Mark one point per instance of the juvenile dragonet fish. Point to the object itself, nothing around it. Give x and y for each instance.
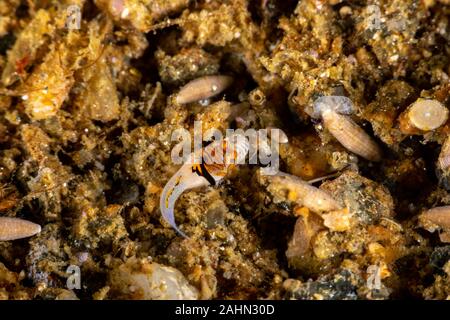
(207, 166)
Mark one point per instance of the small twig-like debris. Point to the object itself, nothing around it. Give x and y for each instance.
(165, 24)
(203, 88)
(397, 225)
(15, 228)
(146, 107)
(328, 176)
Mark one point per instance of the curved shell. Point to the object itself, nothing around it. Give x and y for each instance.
(203, 88)
(444, 155)
(15, 228)
(351, 136)
(301, 192)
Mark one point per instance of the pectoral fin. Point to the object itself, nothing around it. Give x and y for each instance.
(183, 180)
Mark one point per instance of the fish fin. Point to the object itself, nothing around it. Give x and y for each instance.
(183, 180)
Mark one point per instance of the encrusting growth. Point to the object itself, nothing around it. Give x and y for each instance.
(444, 155)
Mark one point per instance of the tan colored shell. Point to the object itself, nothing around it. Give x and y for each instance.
(424, 115)
(439, 216)
(339, 220)
(15, 228)
(203, 88)
(444, 155)
(445, 236)
(305, 228)
(351, 136)
(300, 192)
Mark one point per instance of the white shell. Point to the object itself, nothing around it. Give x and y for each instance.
(203, 88)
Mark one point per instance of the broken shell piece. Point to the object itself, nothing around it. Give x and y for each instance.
(435, 218)
(305, 229)
(203, 88)
(339, 220)
(423, 115)
(444, 155)
(286, 187)
(143, 280)
(15, 228)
